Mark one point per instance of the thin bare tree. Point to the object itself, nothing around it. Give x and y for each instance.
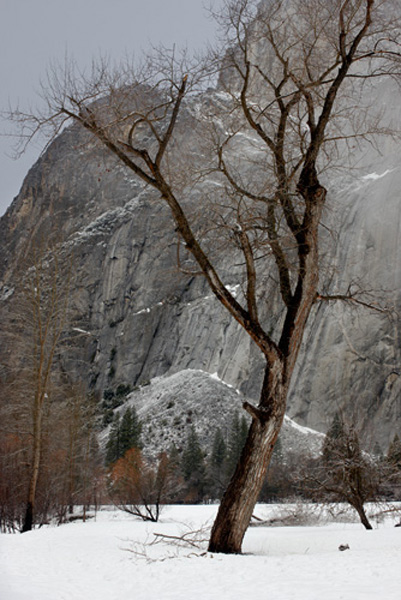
(289, 102)
(37, 321)
(141, 487)
(344, 472)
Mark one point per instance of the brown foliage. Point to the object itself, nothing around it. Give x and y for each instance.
(139, 487)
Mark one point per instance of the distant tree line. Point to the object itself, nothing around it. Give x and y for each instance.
(75, 472)
(341, 473)
(198, 474)
(50, 460)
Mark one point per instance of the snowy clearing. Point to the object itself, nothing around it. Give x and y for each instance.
(112, 557)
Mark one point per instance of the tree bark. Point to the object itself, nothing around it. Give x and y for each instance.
(243, 491)
(36, 458)
(28, 520)
(362, 515)
(239, 500)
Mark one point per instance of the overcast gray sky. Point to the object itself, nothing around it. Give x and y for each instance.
(33, 32)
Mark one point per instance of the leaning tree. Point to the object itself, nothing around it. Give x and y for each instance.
(288, 102)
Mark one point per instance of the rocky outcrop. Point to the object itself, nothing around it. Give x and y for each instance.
(168, 406)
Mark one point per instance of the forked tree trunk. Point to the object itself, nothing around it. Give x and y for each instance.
(238, 502)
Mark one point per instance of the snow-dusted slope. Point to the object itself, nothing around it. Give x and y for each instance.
(169, 405)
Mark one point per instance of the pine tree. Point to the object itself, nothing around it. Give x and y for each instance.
(377, 451)
(193, 467)
(217, 465)
(130, 430)
(174, 457)
(219, 451)
(277, 456)
(277, 481)
(192, 458)
(113, 446)
(124, 434)
(336, 429)
(334, 435)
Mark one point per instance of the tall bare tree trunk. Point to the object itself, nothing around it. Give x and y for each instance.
(238, 502)
(45, 311)
(36, 458)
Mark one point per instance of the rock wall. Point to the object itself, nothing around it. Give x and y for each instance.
(137, 317)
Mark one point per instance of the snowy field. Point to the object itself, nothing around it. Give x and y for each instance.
(115, 557)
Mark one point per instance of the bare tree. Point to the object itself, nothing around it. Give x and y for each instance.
(139, 487)
(293, 75)
(12, 477)
(75, 428)
(37, 323)
(344, 473)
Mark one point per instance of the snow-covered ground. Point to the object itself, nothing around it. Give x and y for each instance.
(114, 557)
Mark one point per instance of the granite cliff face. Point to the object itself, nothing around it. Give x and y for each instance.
(136, 317)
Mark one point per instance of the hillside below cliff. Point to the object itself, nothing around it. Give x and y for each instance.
(168, 406)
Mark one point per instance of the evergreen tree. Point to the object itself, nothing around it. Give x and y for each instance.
(392, 464)
(193, 467)
(192, 458)
(130, 430)
(174, 457)
(377, 451)
(277, 482)
(217, 465)
(113, 451)
(124, 434)
(336, 429)
(332, 442)
(219, 451)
